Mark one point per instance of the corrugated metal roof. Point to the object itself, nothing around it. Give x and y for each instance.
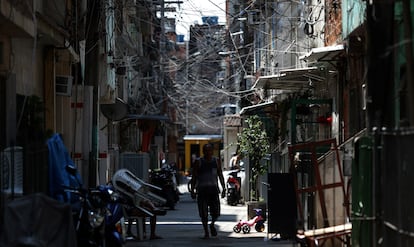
(324, 54)
(291, 79)
(247, 109)
(232, 120)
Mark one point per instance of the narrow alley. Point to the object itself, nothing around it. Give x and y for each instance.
(182, 227)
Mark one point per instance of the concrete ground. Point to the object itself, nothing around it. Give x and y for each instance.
(182, 227)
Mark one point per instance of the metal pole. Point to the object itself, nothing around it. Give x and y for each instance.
(408, 35)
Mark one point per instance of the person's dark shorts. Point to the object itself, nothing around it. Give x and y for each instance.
(208, 202)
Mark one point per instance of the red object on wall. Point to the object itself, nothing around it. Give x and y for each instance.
(76, 155)
(76, 105)
(103, 155)
(146, 137)
(325, 120)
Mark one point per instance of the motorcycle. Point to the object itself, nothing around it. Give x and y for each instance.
(166, 180)
(257, 222)
(89, 210)
(233, 189)
(114, 221)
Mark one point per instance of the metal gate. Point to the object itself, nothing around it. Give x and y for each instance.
(322, 202)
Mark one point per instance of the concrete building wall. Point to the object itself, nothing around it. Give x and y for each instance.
(230, 144)
(27, 64)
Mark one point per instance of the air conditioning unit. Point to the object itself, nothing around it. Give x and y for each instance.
(11, 163)
(64, 85)
(254, 17)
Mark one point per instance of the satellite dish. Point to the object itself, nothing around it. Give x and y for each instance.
(116, 111)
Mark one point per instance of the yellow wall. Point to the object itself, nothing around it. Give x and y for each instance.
(216, 145)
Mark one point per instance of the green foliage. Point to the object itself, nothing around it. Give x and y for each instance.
(254, 143)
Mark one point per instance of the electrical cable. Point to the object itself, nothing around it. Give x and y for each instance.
(206, 87)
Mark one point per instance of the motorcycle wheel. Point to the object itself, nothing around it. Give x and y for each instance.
(260, 227)
(170, 197)
(177, 196)
(231, 199)
(114, 241)
(189, 186)
(236, 229)
(246, 229)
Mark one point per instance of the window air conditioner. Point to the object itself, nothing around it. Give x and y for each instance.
(64, 85)
(254, 17)
(11, 164)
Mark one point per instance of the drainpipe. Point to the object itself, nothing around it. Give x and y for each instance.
(408, 34)
(92, 75)
(379, 17)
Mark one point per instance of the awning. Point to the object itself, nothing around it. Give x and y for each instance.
(291, 79)
(202, 137)
(324, 54)
(147, 117)
(253, 108)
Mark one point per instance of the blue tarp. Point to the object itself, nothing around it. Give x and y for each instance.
(58, 176)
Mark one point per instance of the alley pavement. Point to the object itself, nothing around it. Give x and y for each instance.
(182, 227)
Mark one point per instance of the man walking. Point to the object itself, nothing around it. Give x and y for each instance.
(206, 171)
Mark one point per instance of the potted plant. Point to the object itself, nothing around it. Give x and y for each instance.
(254, 144)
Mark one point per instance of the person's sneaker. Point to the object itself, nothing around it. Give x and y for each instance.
(213, 230)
